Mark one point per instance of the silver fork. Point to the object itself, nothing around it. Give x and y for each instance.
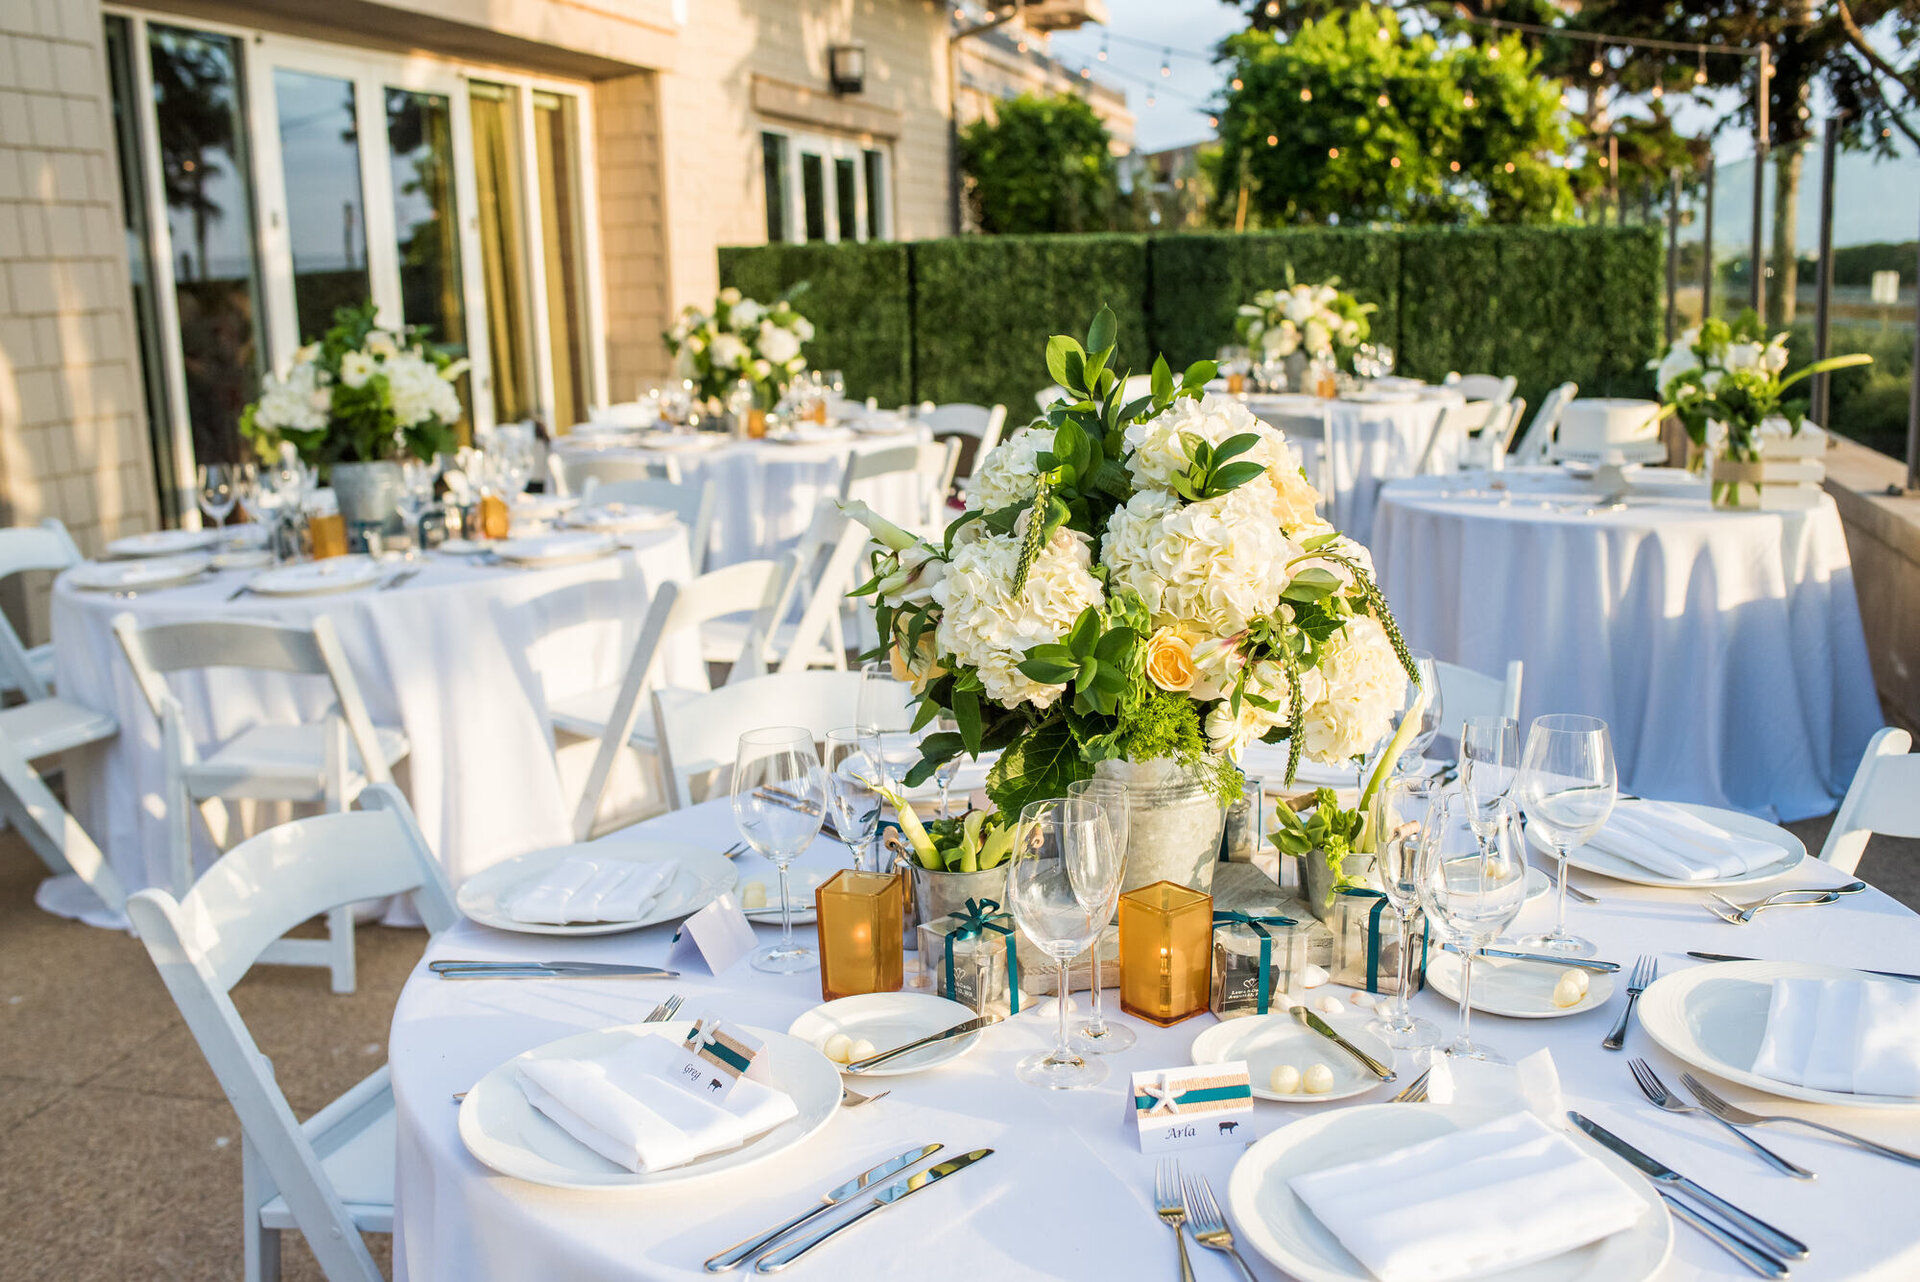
(1645, 971)
(1733, 1115)
(1209, 1227)
(850, 1098)
(1416, 1092)
(659, 1015)
(1171, 1207)
(1658, 1095)
(1743, 913)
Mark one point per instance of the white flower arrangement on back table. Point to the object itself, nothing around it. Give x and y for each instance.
(739, 338)
(1322, 321)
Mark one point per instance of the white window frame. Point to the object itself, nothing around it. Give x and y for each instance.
(831, 148)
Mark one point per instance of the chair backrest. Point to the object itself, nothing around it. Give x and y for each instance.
(934, 461)
(693, 504)
(56, 836)
(1536, 445)
(819, 637)
(698, 733)
(1883, 797)
(1457, 421)
(979, 422)
(580, 470)
(1465, 693)
(678, 608)
(204, 942)
(1048, 395)
(46, 546)
(1484, 387)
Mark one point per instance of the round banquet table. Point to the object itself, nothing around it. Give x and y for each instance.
(765, 491)
(1066, 1195)
(1723, 649)
(463, 658)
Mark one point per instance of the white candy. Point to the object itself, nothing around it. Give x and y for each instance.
(1286, 1080)
(753, 895)
(1318, 1080)
(1567, 993)
(838, 1048)
(1313, 976)
(1577, 977)
(1330, 1005)
(1362, 999)
(862, 1049)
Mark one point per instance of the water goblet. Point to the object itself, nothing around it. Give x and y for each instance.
(1405, 811)
(1472, 887)
(779, 799)
(217, 495)
(886, 704)
(949, 770)
(1566, 786)
(1431, 713)
(1094, 1034)
(852, 774)
(1489, 759)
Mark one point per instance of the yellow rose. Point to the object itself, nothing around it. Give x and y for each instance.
(1170, 660)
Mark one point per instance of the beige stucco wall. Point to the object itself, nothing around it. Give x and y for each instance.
(633, 231)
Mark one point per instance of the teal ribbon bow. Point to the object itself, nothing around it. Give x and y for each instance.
(979, 917)
(1204, 1096)
(1258, 925)
(1373, 934)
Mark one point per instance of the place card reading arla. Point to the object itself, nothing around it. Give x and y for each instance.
(1191, 1107)
(713, 1059)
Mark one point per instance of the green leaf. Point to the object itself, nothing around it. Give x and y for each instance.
(1232, 477)
(1134, 409)
(1085, 632)
(1104, 330)
(1162, 381)
(1319, 541)
(1199, 374)
(925, 714)
(1076, 364)
(1035, 767)
(1057, 348)
(1233, 447)
(1311, 584)
(966, 713)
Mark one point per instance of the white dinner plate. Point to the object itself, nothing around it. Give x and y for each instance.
(621, 518)
(501, 1129)
(1715, 1016)
(243, 559)
(703, 876)
(314, 578)
(1516, 989)
(542, 507)
(1273, 1220)
(555, 549)
(888, 1020)
(164, 542)
(1268, 1041)
(129, 576)
(1792, 852)
(1538, 883)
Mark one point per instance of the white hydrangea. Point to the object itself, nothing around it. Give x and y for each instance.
(1009, 474)
(418, 392)
(1211, 567)
(356, 368)
(728, 351)
(1158, 453)
(299, 401)
(984, 627)
(1230, 731)
(1362, 685)
(746, 314)
(777, 344)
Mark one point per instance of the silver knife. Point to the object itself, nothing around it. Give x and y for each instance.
(734, 1256)
(1731, 957)
(961, 1029)
(1578, 963)
(1725, 1238)
(779, 1259)
(1326, 1030)
(554, 970)
(1660, 1173)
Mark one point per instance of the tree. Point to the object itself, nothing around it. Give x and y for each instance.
(1351, 119)
(1043, 164)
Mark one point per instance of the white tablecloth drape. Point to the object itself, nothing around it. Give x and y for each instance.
(463, 658)
(1367, 443)
(1066, 1195)
(1724, 649)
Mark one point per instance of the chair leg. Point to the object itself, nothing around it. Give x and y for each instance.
(262, 1252)
(340, 947)
(260, 1245)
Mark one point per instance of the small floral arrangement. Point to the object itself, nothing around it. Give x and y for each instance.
(1137, 581)
(740, 338)
(361, 394)
(973, 842)
(1320, 825)
(1320, 320)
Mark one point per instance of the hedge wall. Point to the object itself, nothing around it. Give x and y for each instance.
(858, 298)
(967, 319)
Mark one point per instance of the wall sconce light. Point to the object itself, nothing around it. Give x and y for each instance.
(847, 68)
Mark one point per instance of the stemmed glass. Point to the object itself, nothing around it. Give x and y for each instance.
(1431, 715)
(1489, 759)
(887, 706)
(852, 773)
(1472, 887)
(1406, 807)
(947, 771)
(1567, 786)
(1094, 1034)
(779, 760)
(246, 489)
(1063, 880)
(217, 495)
(416, 493)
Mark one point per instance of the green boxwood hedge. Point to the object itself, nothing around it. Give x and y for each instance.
(858, 298)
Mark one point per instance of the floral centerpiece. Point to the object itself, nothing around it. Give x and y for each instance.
(739, 338)
(1321, 321)
(1138, 589)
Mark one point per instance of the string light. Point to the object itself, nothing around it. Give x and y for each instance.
(1213, 122)
(1384, 101)
(1603, 162)
(1102, 55)
(1086, 73)
(1468, 100)
(1509, 166)
(1454, 165)
(1700, 75)
(1166, 63)
(1596, 68)
(1493, 53)
(1151, 101)
(1237, 83)
(1659, 91)
(1273, 8)
(1306, 95)
(1273, 140)
(1021, 47)
(1395, 162)
(1333, 153)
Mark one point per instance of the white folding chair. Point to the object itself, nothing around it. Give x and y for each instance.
(1883, 797)
(693, 504)
(1048, 395)
(698, 733)
(329, 761)
(611, 714)
(1465, 694)
(932, 461)
(1537, 445)
(1483, 387)
(1457, 422)
(330, 1177)
(978, 422)
(825, 569)
(46, 546)
(580, 470)
(1489, 448)
(41, 729)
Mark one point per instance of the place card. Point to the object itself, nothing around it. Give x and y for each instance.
(1170, 1109)
(719, 935)
(713, 1059)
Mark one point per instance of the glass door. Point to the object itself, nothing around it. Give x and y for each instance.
(499, 183)
(326, 208)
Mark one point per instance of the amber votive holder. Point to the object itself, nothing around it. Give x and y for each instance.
(860, 918)
(328, 533)
(495, 517)
(1166, 952)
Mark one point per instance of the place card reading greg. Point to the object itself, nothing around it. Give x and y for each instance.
(719, 935)
(713, 1059)
(1178, 1108)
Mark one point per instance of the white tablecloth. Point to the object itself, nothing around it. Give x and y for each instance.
(1724, 649)
(1066, 1195)
(1368, 443)
(765, 491)
(463, 658)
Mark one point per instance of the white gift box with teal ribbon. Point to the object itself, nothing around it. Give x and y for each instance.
(1195, 1106)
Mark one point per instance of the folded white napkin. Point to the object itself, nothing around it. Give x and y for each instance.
(1532, 1084)
(1676, 843)
(1856, 1035)
(623, 1106)
(582, 889)
(1477, 1201)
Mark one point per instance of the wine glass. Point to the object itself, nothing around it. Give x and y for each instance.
(851, 775)
(1489, 758)
(416, 493)
(246, 489)
(887, 705)
(1406, 807)
(1430, 716)
(949, 770)
(1566, 786)
(217, 495)
(1472, 887)
(779, 799)
(1095, 1034)
(1063, 880)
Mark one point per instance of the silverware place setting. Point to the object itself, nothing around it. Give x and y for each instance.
(1741, 914)
(782, 1256)
(1208, 1223)
(450, 969)
(734, 1256)
(1170, 1204)
(402, 578)
(1732, 1115)
(1645, 971)
(1660, 1097)
(961, 1029)
(1301, 1015)
(1416, 1090)
(1735, 957)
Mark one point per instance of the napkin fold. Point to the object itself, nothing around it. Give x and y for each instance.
(583, 889)
(1861, 1036)
(1492, 1197)
(624, 1106)
(1532, 1084)
(1676, 843)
